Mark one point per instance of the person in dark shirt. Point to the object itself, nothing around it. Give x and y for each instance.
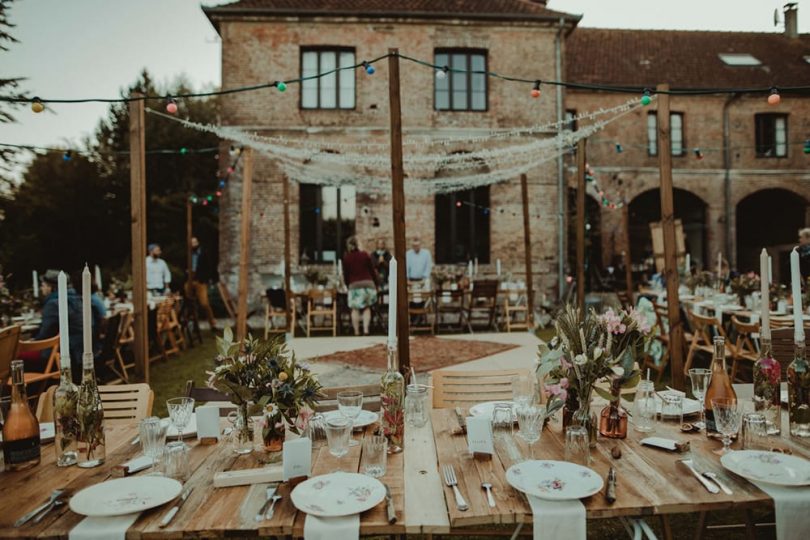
(202, 273)
(361, 278)
(50, 322)
(381, 258)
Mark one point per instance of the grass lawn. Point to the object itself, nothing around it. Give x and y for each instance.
(168, 378)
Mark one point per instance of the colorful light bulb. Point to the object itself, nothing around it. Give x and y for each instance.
(441, 74)
(536, 89)
(37, 106)
(171, 106)
(369, 68)
(281, 86)
(774, 98)
(646, 98)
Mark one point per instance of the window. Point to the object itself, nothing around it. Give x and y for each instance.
(462, 226)
(675, 134)
(771, 135)
(571, 119)
(327, 216)
(739, 59)
(333, 91)
(465, 91)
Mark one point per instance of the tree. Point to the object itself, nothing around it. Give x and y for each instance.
(9, 90)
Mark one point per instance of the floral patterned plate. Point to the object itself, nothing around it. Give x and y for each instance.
(769, 467)
(125, 496)
(556, 480)
(365, 418)
(338, 494)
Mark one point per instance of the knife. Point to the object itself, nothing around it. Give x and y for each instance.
(708, 485)
(462, 422)
(176, 508)
(392, 513)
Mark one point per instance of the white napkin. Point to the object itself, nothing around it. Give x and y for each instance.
(344, 528)
(791, 506)
(103, 528)
(557, 520)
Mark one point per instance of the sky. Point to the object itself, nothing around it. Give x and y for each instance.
(95, 48)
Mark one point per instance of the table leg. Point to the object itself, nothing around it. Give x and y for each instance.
(750, 527)
(701, 525)
(665, 527)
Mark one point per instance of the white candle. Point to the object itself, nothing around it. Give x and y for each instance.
(36, 283)
(340, 268)
(64, 329)
(687, 264)
(476, 266)
(470, 269)
(720, 264)
(281, 268)
(87, 320)
(770, 270)
(498, 267)
(795, 281)
(392, 302)
(765, 293)
(98, 278)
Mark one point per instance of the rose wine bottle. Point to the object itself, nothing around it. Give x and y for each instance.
(798, 376)
(21, 448)
(719, 387)
(767, 376)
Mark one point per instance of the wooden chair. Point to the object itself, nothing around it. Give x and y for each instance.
(168, 329)
(516, 309)
(466, 388)
(322, 304)
(275, 308)
(450, 303)
(745, 350)
(45, 405)
(109, 343)
(703, 331)
(126, 336)
(661, 333)
(420, 311)
(51, 371)
(9, 342)
(126, 403)
(483, 303)
(210, 396)
(227, 300)
(371, 397)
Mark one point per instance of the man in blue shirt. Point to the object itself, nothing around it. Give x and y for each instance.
(418, 261)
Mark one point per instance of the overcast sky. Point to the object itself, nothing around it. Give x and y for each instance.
(93, 48)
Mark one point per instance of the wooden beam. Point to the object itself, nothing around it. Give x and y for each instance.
(287, 268)
(527, 249)
(189, 234)
(670, 249)
(581, 224)
(137, 182)
(244, 243)
(628, 261)
(398, 204)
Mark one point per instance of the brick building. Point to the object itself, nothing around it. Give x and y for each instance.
(265, 40)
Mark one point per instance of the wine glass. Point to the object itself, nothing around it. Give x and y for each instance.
(530, 423)
(522, 390)
(180, 410)
(338, 432)
(700, 378)
(350, 403)
(727, 415)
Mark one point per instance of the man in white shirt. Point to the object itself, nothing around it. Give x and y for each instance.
(418, 261)
(158, 276)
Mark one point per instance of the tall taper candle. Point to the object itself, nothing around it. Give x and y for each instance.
(687, 264)
(87, 319)
(98, 278)
(765, 307)
(64, 328)
(770, 270)
(392, 302)
(470, 269)
(475, 272)
(36, 283)
(719, 265)
(796, 289)
(498, 267)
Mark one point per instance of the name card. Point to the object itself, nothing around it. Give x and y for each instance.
(297, 458)
(479, 435)
(208, 422)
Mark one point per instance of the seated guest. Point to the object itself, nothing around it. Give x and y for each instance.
(418, 261)
(381, 257)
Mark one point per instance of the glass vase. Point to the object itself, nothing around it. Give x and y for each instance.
(90, 414)
(798, 375)
(392, 390)
(66, 419)
(767, 377)
(584, 417)
(241, 436)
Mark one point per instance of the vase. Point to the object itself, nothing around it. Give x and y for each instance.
(241, 436)
(584, 417)
(272, 436)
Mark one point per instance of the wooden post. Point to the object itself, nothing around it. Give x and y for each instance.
(189, 234)
(527, 249)
(668, 228)
(287, 268)
(137, 182)
(244, 244)
(581, 225)
(628, 262)
(398, 204)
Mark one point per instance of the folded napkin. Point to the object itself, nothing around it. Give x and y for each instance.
(557, 520)
(103, 528)
(344, 528)
(791, 506)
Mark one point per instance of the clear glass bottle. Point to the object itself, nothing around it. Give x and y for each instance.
(719, 387)
(66, 421)
(613, 418)
(798, 376)
(767, 376)
(92, 447)
(392, 392)
(21, 446)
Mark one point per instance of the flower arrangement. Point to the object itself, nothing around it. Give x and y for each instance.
(316, 276)
(745, 284)
(700, 279)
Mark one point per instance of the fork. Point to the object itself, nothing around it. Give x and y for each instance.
(268, 498)
(451, 481)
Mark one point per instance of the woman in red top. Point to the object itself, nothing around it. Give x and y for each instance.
(361, 279)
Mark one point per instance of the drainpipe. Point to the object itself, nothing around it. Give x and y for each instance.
(561, 188)
(730, 248)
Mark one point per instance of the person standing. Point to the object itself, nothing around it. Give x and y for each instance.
(158, 276)
(361, 279)
(202, 273)
(381, 258)
(418, 261)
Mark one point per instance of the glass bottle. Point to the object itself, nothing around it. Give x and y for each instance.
(798, 377)
(66, 421)
(91, 417)
(719, 387)
(767, 376)
(613, 418)
(392, 402)
(21, 448)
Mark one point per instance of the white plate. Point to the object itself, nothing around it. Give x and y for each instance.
(555, 480)
(485, 409)
(769, 467)
(46, 432)
(189, 431)
(365, 418)
(690, 406)
(338, 494)
(125, 496)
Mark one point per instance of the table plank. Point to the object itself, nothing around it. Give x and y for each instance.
(424, 501)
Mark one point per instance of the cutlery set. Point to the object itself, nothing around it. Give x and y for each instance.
(710, 480)
(270, 500)
(37, 514)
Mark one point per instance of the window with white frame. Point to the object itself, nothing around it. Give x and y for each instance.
(336, 89)
(676, 130)
(771, 135)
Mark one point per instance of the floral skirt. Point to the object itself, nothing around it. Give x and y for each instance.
(362, 297)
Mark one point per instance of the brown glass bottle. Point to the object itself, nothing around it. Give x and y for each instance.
(21, 448)
(719, 387)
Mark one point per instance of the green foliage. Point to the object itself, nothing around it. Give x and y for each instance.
(9, 88)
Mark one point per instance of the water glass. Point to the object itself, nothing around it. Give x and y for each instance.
(644, 407)
(415, 412)
(338, 433)
(727, 418)
(152, 434)
(530, 422)
(672, 408)
(175, 461)
(754, 432)
(375, 452)
(577, 445)
(503, 418)
(522, 390)
(180, 410)
(350, 403)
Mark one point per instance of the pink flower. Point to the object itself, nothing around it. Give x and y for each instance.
(613, 322)
(304, 415)
(564, 382)
(565, 363)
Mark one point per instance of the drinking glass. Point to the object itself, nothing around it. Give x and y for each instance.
(522, 390)
(350, 403)
(375, 451)
(503, 418)
(415, 413)
(672, 408)
(175, 461)
(530, 422)
(727, 417)
(644, 407)
(754, 432)
(153, 438)
(700, 378)
(577, 445)
(180, 410)
(338, 433)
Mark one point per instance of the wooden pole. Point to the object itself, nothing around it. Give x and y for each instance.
(244, 243)
(398, 204)
(581, 225)
(527, 249)
(137, 181)
(189, 233)
(668, 226)
(287, 268)
(628, 263)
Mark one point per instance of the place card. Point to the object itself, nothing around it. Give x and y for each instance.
(297, 458)
(132, 466)
(479, 436)
(244, 477)
(207, 422)
(666, 444)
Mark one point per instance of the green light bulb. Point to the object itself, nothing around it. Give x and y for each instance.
(282, 87)
(645, 99)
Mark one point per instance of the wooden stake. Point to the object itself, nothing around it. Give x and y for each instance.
(244, 243)
(668, 227)
(287, 269)
(137, 181)
(527, 249)
(190, 271)
(628, 264)
(581, 225)
(398, 204)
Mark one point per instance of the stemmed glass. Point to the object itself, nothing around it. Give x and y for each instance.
(700, 378)
(530, 422)
(522, 390)
(727, 414)
(180, 410)
(350, 403)
(338, 432)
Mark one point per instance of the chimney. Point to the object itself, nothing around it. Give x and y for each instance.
(791, 20)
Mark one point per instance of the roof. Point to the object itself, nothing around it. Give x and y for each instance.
(684, 59)
(526, 10)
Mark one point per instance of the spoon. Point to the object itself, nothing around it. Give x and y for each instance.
(269, 514)
(55, 494)
(717, 481)
(487, 486)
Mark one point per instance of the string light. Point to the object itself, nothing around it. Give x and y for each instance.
(281, 86)
(92, 153)
(619, 148)
(369, 68)
(774, 98)
(698, 154)
(67, 156)
(441, 73)
(807, 146)
(171, 106)
(646, 98)
(36, 105)
(535, 93)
